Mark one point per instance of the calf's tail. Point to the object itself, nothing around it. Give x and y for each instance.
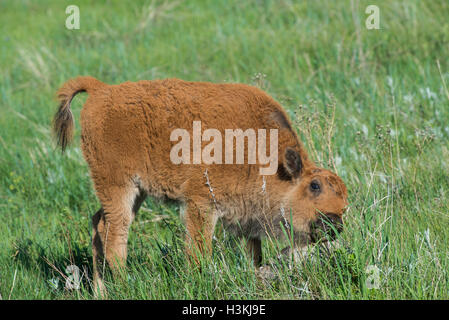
(63, 119)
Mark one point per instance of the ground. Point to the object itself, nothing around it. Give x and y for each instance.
(372, 104)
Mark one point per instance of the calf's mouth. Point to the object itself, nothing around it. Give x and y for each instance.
(326, 227)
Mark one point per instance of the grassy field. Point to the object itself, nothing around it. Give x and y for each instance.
(374, 104)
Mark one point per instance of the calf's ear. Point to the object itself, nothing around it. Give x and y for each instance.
(292, 162)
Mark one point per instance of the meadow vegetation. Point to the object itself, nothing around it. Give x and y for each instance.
(372, 105)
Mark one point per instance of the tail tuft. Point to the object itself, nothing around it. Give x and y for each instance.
(63, 120)
(63, 123)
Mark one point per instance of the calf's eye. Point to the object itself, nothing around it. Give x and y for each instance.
(315, 186)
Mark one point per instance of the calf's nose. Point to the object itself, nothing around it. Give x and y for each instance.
(326, 226)
(335, 220)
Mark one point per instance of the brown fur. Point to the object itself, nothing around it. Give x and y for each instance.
(125, 140)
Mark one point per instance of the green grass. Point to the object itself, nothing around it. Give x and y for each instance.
(389, 140)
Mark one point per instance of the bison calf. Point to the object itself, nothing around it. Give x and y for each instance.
(127, 140)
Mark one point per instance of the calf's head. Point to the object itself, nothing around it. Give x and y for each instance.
(317, 199)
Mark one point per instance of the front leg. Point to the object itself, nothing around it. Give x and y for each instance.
(254, 249)
(200, 220)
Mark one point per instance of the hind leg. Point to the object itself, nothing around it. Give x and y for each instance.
(110, 230)
(98, 235)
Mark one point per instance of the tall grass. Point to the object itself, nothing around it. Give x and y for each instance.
(371, 104)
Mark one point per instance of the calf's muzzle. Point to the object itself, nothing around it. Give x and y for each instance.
(326, 227)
